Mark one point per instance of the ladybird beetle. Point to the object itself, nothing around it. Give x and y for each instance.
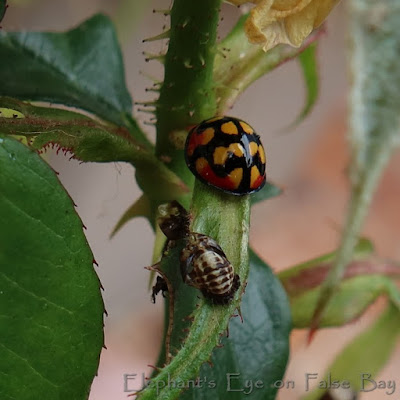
(226, 153)
(203, 263)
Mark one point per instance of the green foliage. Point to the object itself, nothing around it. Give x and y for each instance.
(366, 279)
(51, 329)
(3, 7)
(52, 305)
(80, 68)
(308, 62)
(89, 140)
(257, 348)
(268, 191)
(361, 360)
(374, 121)
(239, 63)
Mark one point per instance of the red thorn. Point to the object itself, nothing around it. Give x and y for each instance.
(240, 314)
(105, 347)
(83, 226)
(95, 262)
(311, 335)
(152, 366)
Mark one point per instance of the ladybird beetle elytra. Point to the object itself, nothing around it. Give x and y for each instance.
(203, 263)
(221, 153)
(226, 153)
(229, 128)
(261, 153)
(253, 148)
(200, 140)
(246, 127)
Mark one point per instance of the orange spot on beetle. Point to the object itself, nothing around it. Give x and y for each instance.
(229, 128)
(256, 179)
(247, 128)
(253, 148)
(221, 153)
(261, 153)
(199, 139)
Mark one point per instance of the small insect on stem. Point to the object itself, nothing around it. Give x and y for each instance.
(203, 263)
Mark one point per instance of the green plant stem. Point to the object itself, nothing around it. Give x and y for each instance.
(225, 218)
(374, 120)
(187, 96)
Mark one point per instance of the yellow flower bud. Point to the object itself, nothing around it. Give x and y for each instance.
(273, 22)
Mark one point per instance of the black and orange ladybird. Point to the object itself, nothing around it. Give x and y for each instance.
(203, 263)
(226, 153)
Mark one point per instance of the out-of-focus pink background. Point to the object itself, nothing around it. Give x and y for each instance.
(309, 161)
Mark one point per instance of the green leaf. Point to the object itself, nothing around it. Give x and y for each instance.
(3, 8)
(350, 301)
(361, 360)
(81, 68)
(308, 62)
(88, 140)
(51, 311)
(310, 274)
(257, 349)
(365, 280)
(268, 191)
(140, 208)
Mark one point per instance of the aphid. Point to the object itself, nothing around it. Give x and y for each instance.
(226, 153)
(203, 263)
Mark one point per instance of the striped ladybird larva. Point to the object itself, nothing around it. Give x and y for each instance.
(205, 266)
(203, 263)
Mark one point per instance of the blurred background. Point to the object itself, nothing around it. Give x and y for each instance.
(309, 161)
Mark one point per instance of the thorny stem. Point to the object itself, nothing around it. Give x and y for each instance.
(187, 97)
(374, 120)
